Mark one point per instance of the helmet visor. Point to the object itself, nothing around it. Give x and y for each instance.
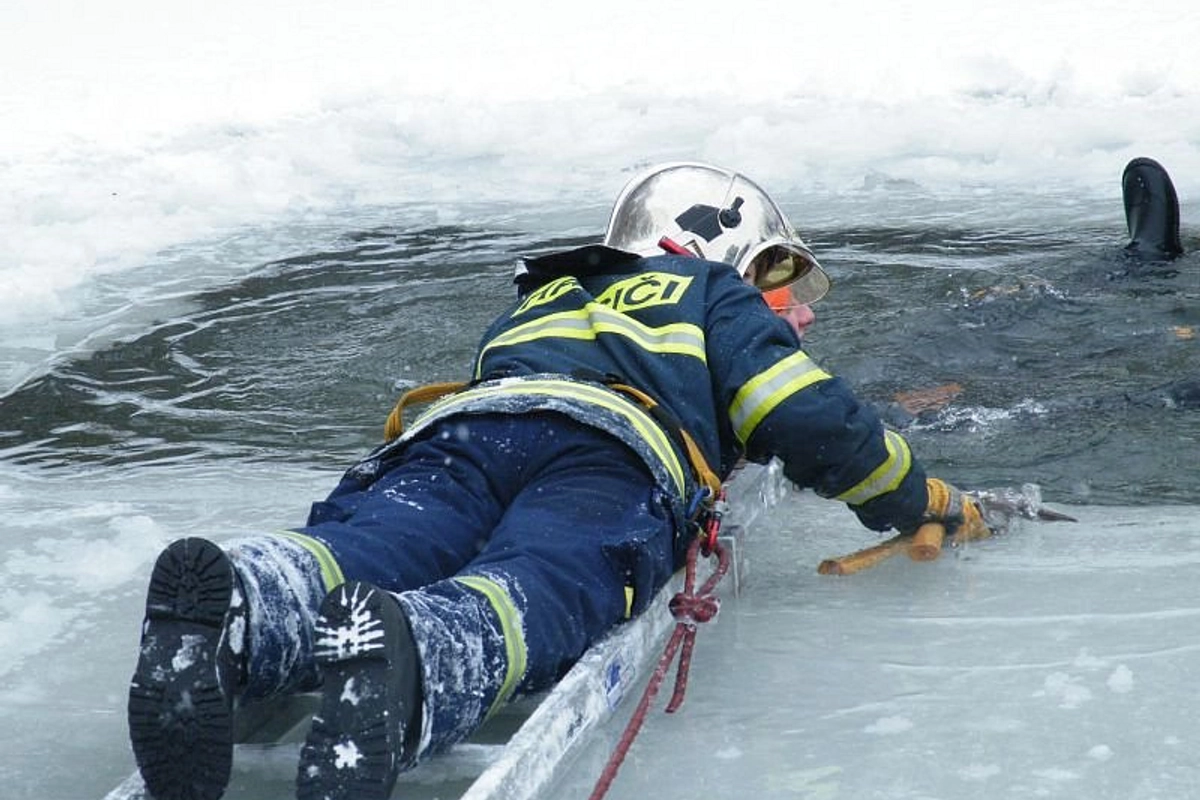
(782, 263)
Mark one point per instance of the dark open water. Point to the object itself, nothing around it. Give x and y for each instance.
(1077, 368)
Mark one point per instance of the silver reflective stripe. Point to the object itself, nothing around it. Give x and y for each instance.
(886, 477)
(512, 629)
(586, 323)
(639, 420)
(762, 393)
(331, 573)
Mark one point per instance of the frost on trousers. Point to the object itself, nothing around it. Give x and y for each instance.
(284, 590)
(458, 636)
(463, 660)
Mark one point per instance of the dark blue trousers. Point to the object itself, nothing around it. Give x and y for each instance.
(563, 520)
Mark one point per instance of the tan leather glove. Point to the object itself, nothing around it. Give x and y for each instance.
(959, 513)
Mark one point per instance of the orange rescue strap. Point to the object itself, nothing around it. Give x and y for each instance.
(422, 394)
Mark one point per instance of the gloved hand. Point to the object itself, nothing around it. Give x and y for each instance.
(959, 513)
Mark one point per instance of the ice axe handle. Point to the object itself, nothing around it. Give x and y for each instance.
(926, 544)
(931, 535)
(864, 559)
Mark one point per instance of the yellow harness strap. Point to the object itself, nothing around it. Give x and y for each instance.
(703, 471)
(422, 394)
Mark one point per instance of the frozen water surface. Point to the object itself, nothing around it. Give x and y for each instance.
(1055, 662)
(232, 237)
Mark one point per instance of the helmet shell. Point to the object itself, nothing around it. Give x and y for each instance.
(718, 215)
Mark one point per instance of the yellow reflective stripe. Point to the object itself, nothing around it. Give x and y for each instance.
(887, 476)
(642, 422)
(331, 573)
(680, 338)
(759, 395)
(628, 602)
(510, 628)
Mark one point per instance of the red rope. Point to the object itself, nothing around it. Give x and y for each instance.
(689, 608)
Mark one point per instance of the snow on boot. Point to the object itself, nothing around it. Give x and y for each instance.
(365, 730)
(188, 670)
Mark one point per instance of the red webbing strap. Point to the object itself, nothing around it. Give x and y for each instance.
(689, 608)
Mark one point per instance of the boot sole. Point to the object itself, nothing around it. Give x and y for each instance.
(180, 716)
(354, 747)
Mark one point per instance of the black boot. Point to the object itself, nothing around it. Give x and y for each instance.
(367, 727)
(189, 668)
(1151, 210)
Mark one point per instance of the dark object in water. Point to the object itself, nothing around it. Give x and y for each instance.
(1151, 210)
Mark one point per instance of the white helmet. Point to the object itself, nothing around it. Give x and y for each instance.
(718, 215)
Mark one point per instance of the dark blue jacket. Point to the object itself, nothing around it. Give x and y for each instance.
(703, 344)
